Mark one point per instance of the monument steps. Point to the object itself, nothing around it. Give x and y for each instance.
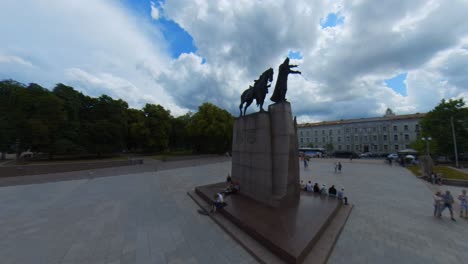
(307, 238)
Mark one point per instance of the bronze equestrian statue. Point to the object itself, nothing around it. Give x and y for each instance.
(279, 94)
(257, 92)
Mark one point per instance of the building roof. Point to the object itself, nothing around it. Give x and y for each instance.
(363, 120)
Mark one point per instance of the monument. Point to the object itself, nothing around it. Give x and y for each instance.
(264, 148)
(293, 226)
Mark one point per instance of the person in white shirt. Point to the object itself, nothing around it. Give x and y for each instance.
(218, 203)
(309, 187)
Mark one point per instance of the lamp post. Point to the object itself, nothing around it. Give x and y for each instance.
(454, 142)
(426, 139)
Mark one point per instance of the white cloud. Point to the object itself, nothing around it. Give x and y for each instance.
(95, 38)
(107, 49)
(14, 59)
(154, 11)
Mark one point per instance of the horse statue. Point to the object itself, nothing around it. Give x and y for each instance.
(257, 92)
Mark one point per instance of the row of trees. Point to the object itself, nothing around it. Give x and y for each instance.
(64, 121)
(447, 120)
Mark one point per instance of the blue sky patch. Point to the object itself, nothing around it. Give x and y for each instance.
(397, 83)
(295, 55)
(179, 41)
(332, 20)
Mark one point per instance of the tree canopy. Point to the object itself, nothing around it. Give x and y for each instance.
(437, 124)
(63, 121)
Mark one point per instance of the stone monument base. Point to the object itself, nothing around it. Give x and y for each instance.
(303, 232)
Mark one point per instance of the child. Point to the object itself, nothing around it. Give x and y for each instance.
(463, 203)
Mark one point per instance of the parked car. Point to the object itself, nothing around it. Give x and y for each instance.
(345, 154)
(393, 156)
(367, 155)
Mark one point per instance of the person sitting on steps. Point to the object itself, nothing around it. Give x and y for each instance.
(316, 188)
(341, 196)
(218, 202)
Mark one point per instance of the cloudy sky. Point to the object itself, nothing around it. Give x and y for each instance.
(357, 57)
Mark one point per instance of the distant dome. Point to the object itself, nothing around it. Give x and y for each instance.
(389, 112)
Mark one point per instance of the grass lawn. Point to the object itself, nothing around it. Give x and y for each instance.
(445, 171)
(61, 161)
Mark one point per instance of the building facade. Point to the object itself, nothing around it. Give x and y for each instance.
(386, 134)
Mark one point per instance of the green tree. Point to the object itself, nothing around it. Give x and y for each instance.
(138, 133)
(158, 123)
(69, 140)
(179, 137)
(437, 125)
(105, 124)
(10, 115)
(210, 129)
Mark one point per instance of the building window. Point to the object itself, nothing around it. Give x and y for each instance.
(347, 130)
(339, 132)
(301, 133)
(385, 137)
(331, 139)
(395, 128)
(357, 147)
(355, 130)
(365, 138)
(406, 137)
(374, 138)
(406, 127)
(316, 140)
(395, 137)
(308, 133)
(339, 147)
(347, 147)
(396, 147)
(339, 139)
(308, 140)
(347, 138)
(330, 132)
(323, 140)
(374, 129)
(416, 127)
(323, 132)
(384, 128)
(385, 147)
(356, 138)
(315, 132)
(302, 140)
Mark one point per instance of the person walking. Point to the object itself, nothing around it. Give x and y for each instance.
(463, 203)
(437, 202)
(447, 203)
(339, 167)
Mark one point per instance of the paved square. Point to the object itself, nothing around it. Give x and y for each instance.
(148, 218)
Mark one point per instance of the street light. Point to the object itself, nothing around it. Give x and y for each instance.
(426, 139)
(454, 142)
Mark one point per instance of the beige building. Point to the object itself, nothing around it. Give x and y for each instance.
(386, 134)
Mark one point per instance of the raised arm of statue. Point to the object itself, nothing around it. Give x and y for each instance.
(291, 71)
(292, 66)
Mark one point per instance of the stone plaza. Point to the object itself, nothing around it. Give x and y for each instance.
(144, 215)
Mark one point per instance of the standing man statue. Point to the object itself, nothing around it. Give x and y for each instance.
(279, 95)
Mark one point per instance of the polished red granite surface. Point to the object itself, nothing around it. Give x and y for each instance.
(289, 232)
